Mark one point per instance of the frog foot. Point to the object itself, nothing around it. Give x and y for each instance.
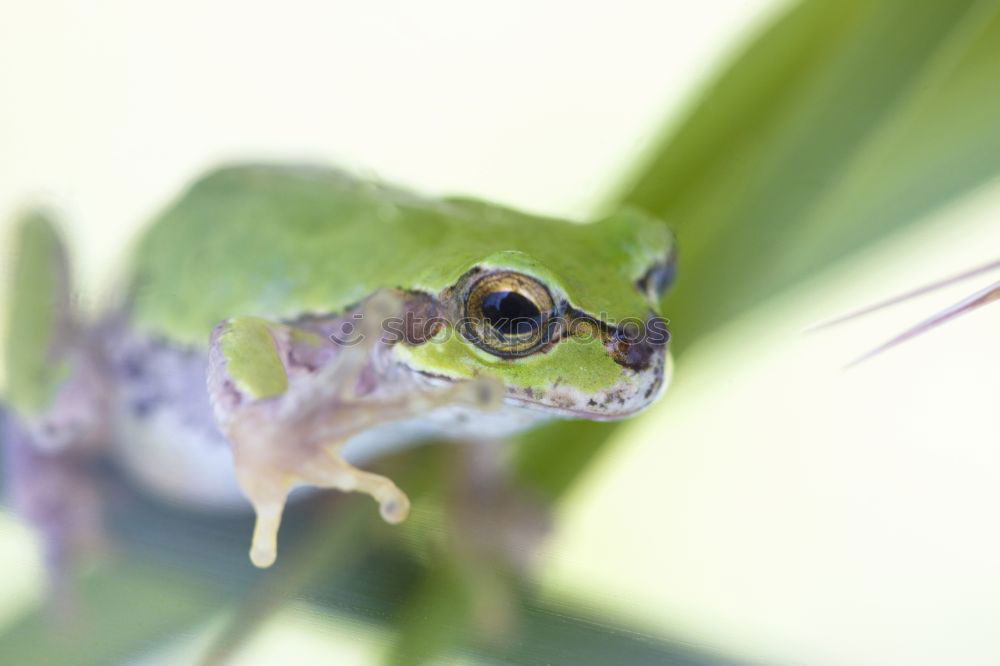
(288, 400)
(267, 486)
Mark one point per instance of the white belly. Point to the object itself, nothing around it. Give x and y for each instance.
(194, 466)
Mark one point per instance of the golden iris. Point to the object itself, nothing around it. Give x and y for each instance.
(509, 314)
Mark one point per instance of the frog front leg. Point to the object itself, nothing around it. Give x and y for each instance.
(288, 398)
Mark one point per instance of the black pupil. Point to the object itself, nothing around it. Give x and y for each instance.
(510, 313)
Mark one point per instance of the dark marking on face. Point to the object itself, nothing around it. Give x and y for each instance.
(562, 401)
(423, 318)
(635, 345)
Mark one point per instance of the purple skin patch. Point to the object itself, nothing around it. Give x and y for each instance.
(57, 494)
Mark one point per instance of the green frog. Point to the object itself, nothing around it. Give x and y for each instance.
(282, 325)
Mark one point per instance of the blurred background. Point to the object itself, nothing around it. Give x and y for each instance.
(774, 508)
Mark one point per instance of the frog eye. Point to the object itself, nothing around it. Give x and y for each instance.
(508, 314)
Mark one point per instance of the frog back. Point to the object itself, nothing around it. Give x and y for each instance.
(286, 241)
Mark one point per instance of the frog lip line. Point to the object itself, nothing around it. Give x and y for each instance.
(657, 385)
(538, 406)
(659, 382)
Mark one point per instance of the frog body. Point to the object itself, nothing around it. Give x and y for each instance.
(288, 323)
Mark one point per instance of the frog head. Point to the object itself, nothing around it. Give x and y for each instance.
(570, 327)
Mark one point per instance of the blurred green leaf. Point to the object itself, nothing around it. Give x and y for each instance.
(842, 122)
(131, 609)
(846, 121)
(127, 609)
(434, 622)
(330, 549)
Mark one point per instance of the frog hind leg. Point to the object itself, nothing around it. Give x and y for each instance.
(58, 496)
(56, 416)
(288, 433)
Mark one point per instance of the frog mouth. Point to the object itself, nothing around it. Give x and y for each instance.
(573, 413)
(624, 400)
